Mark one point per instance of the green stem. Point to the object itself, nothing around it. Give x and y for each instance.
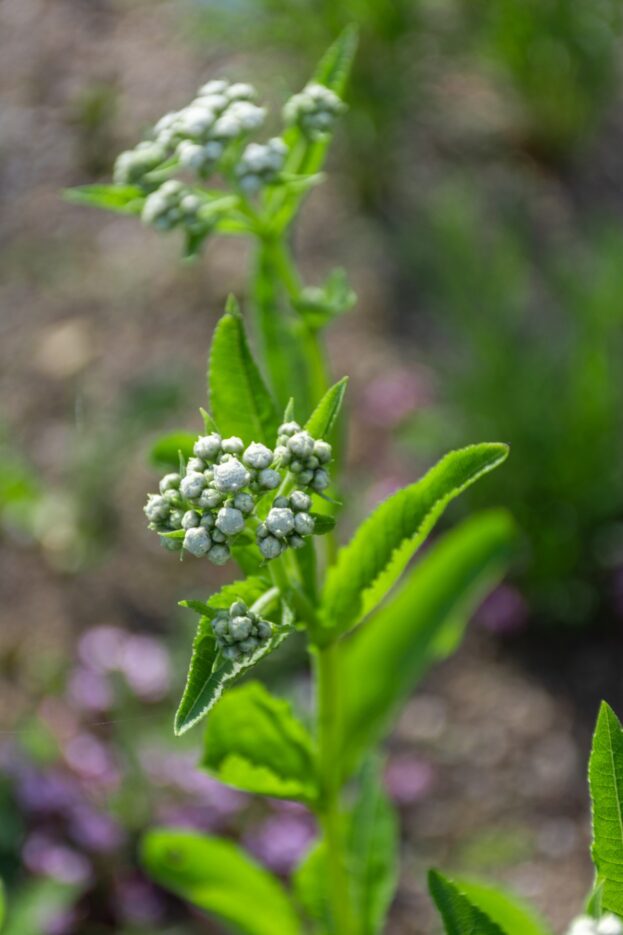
(329, 812)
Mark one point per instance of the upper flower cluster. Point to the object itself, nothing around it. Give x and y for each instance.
(217, 496)
(585, 925)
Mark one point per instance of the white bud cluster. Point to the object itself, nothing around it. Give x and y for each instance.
(239, 632)
(315, 110)
(609, 924)
(170, 205)
(287, 525)
(132, 166)
(260, 164)
(304, 456)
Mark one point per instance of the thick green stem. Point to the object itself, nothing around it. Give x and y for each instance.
(329, 812)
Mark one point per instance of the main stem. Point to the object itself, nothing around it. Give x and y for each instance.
(329, 711)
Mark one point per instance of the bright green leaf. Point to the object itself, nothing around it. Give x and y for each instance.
(422, 622)
(376, 556)
(239, 400)
(373, 845)
(503, 908)
(335, 65)
(123, 199)
(323, 417)
(310, 887)
(606, 785)
(215, 875)
(460, 916)
(165, 451)
(254, 742)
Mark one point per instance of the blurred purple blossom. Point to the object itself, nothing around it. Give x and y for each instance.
(408, 779)
(388, 399)
(61, 923)
(281, 840)
(385, 487)
(504, 611)
(42, 854)
(91, 759)
(90, 689)
(139, 902)
(146, 665)
(100, 648)
(179, 771)
(45, 793)
(94, 830)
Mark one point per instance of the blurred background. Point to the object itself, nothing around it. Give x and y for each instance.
(475, 196)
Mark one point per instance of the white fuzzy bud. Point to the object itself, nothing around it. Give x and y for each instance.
(321, 480)
(190, 519)
(231, 476)
(238, 609)
(270, 547)
(211, 498)
(289, 428)
(244, 502)
(304, 524)
(195, 466)
(169, 482)
(269, 479)
(258, 456)
(323, 451)
(156, 509)
(197, 541)
(208, 446)
(610, 925)
(218, 554)
(216, 86)
(583, 925)
(192, 485)
(240, 91)
(233, 445)
(230, 520)
(240, 628)
(301, 501)
(280, 522)
(301, 445)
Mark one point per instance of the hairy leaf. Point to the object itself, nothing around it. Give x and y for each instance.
(165, 451)
(323, 417)
(239, 400)
(606, 785)
(460, 916)
(254, 742)
(503, 908)
(122, 199)
(423, 622)
(373, 844)
(376, 556)
(215, 875)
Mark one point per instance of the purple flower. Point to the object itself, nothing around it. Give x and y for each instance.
(281, 840)
(146, 666)
(408, 779)
(100, 647)
(90, 690)
(95, 830)
(91, 759)
(45, 793)
(139, 902)
(504, 611)
(390, 398)
(44, 855)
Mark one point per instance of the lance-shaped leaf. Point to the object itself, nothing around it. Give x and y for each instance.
(122, 199)
(165, 452)
(606, 785)
(423, 622)
(209, 672)
(310, 886)
(503, 908)
(239, 400)
(215, 875)
(460, 916)
(254, 742)
(323, 417)
(376, 556)
(373, 844)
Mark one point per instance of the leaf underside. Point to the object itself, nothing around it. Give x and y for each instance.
(460, 916)
(606, 787)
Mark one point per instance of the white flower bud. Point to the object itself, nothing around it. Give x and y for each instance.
(207, 521)
(191, 155)
(169, 482)
(583, 925)
(323, 451)
(250, 184)
(280, 522)
(609, 925)
(238, 609)
(296, 542)
(197, 541)
(233, 445)
(269, 479)
(195, 121)
(227, 126)
(289, 428)
(175, 519)
(249, 645)
(208, 446)
(195, 465)
(301, 444)
(190, 519)
(321, 480)
(258, 456)
(264, 629)
(172, 497)
(306, 477)
(211, 498)
(261, 532)
(299, 500)
(241, 92)
(281, 502)
(218, 536)
(296, 466)
(270, 547)
(218, 554)
(216, 86)
(230, 520)
(248, 116)
(244, 502)
(304, 524)
(231, 476)
(192, 485)
(240, 628)
(155, 208)
(213, 150)
(171, 188)
(171, 545)
(156, 509)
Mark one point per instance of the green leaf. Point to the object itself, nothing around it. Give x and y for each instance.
(164, 453)
(208, 422)
(35, 903)
(424, 621)
(239, 400)
(123, 199)
(320, 305)
(373, 845)
(323, 417)
(335, 65)
(310, 887)
(323, 523)
(503, 908)
(217, 876)
(376, 556)
(254, 742)
(605, 772)
(208, 672)
(460, 916)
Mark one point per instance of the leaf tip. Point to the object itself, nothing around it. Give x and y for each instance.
(232, 306)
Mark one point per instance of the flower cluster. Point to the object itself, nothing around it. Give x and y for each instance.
(315, 110)
(217, 496)
(608, 925)
(172, 204)
(239, 632)
(287, 524)
(260, 164)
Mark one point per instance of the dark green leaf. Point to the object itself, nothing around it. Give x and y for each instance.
(323, 523)
(310, 887)
(422, 622)
(460, 916)
(323, 417)
(503, 908)
(254, 742)
(371, 563)
(215, 875)
(165, 451)
(123, 199)
(606, 786)
(239, 400)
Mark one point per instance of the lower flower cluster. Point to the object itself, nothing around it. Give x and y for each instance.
(239, 632)
(585, 925)
(215, 499)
